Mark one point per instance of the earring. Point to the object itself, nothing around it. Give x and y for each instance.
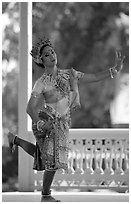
(40, 60)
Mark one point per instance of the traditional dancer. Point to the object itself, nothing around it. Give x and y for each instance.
(54, 95)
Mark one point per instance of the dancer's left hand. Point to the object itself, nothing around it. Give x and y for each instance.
(119, 60)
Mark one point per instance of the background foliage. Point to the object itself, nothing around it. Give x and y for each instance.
(85, 36)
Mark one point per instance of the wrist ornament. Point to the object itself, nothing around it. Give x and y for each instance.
(40, 124)
(113, 71)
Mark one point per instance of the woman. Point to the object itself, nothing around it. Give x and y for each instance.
(54, 95)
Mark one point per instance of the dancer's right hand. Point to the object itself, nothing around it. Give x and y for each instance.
(48, 125)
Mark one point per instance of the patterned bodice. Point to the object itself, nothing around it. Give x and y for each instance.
(61, 92)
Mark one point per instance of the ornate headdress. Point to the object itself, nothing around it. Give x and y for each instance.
(35, 52)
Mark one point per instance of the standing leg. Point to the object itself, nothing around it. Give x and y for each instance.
(47, 181)
(15, 140)
(48, 177)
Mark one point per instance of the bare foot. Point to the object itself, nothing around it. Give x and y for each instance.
(11, 138)
(49, 199)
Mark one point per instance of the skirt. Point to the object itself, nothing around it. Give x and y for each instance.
(52, 147)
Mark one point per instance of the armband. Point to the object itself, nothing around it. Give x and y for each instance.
(40, 123)
(35, 94)
(111, 73)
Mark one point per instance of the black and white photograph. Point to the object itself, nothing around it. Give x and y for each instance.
(65, 101)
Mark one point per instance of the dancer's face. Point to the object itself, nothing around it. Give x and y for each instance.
(49, 57)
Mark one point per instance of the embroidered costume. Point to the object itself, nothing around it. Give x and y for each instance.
(57, 97)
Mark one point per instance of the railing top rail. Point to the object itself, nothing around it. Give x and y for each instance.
(97, 134)
(101, 134)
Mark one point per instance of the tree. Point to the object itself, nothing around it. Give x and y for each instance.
(10, 25)
(86, 36)
(10, 15)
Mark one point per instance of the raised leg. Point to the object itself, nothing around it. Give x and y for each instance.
(27, 146)
(15, 140)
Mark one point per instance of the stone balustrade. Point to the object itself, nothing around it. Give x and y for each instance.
(98, 159)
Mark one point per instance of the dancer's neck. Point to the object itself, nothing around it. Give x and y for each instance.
(51, 70)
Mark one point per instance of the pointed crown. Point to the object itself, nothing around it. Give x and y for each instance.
(35, 52)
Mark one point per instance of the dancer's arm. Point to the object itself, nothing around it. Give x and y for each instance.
(110, 73)
(33, 111)
(32, 108)
(36, 102)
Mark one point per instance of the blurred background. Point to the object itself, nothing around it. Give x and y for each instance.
(85, 36)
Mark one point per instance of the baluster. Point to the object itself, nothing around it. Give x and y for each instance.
(71, 158)
(79, 156)
(88, 151)
(59, 178)
(126, 156)
(98, 156)
(108, 157)
(37, 180)
(118, 156)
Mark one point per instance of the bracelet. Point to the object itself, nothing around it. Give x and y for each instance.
(111, 73)
(40, 123)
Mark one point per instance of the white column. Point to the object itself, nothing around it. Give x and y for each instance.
(24, 158)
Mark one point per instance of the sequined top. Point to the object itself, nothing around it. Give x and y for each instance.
(56, 91)
(59, 95)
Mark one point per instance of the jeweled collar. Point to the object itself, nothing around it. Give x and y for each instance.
(51, 75)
